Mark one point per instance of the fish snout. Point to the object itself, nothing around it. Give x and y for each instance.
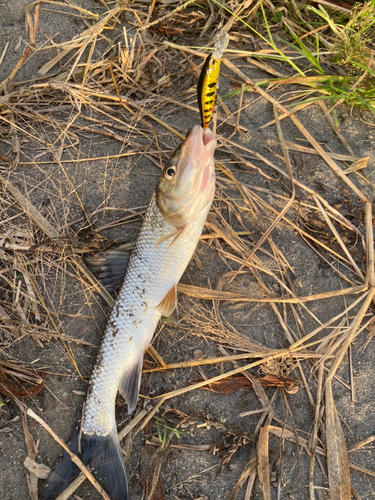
(201, 145)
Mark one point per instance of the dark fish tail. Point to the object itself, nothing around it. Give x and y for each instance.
(103, 455)
(64, 473)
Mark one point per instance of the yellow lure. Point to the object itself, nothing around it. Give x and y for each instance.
(208, 80)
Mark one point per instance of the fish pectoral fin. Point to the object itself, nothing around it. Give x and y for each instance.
(175, 235)
(109, 267)
(130, 383)
(164, 238)
(169, 303)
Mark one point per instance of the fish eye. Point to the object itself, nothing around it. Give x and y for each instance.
(170, 172)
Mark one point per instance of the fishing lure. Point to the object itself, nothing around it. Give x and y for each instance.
(208, 80)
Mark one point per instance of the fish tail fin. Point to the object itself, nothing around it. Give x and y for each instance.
(63, 474)
(103, 455)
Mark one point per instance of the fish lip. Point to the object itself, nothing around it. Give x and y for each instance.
(208, 136)
(201, 137)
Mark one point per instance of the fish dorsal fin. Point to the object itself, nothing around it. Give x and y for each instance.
(169, 303)
(130, 383)
(109, 267)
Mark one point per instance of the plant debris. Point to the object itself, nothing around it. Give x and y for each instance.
(231, 384)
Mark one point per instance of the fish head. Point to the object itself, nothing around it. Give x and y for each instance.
(187, 183)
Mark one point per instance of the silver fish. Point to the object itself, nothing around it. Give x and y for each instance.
(169, 235)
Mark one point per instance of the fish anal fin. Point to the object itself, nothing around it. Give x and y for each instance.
(169, 303)
(130, 383)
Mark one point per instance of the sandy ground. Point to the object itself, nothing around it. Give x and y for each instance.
(210, 418)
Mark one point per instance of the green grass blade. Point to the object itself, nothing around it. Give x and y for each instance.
(321, 12)
(366, 103)
(334, 114)
(365, 68)
(270, 43)
(302, 49)
(266, 23)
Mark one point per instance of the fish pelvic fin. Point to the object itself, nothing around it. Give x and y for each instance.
(103, 455)
(169, 303)
(130, 383)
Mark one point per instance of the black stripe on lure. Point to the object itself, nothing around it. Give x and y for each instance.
(208, 80)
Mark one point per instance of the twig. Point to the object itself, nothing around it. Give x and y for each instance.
(338, 238)
(135, 421)
(167, 16)
(354, 327)
(326, 112)
(73, 486)
(208, 294)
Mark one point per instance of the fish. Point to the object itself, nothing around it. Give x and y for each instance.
(167, 240)
(209, 78)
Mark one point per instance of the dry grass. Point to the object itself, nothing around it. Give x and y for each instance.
(126, 94)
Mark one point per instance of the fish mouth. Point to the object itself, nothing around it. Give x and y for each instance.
(201, 145)
(208, 136)
(200, 138)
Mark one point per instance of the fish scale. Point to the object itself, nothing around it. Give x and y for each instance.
(152, 270)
